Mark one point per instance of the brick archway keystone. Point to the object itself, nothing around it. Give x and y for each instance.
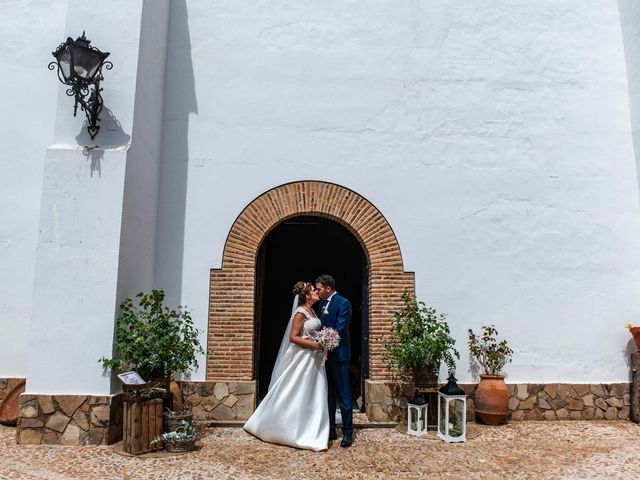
(232, 287)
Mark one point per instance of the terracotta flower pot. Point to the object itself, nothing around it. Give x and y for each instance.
(635, 332)
(10, 405)
(492, 399)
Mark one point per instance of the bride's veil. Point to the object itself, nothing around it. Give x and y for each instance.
(282, 360)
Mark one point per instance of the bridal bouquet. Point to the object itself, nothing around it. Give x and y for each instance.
(329, 339)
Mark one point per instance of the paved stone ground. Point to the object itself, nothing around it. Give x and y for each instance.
(546, 450)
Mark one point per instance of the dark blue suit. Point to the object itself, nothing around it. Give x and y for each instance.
(338, 317)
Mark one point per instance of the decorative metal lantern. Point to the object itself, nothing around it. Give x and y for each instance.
(417, 415)
(452, 412)
(80, 66)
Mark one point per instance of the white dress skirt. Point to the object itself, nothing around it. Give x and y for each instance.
(294, 412)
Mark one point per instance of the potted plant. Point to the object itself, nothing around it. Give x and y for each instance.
(492, 394)
(154, 340)
(157, 342)
(420, 341)
(635, 333)
(182, 439)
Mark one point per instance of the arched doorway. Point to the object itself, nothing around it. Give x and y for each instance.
(232, 287)
(301, 248)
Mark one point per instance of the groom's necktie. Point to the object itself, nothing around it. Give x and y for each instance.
(322, 305)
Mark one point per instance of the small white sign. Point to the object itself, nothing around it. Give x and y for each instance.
(131, 378)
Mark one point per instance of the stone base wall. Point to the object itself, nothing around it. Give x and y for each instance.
(634, 394)
(7, 384)
(563, 401)
(387, 401)
(220, 400)
(70, 419)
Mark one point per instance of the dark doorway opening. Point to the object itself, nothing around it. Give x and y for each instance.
(302, 248)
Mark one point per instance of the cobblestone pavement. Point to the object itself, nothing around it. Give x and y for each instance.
(547, 450)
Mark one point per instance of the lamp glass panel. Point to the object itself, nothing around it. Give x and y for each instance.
(456, 417)
(64, 60)
(86, 62)
(442, 410)
(413, 421)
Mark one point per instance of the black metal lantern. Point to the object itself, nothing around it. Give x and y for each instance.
(452, 412)
(80, 66)
(417, 409)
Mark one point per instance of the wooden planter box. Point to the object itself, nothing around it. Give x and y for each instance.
(142, 422)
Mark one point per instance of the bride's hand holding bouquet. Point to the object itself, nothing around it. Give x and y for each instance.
(329, 339)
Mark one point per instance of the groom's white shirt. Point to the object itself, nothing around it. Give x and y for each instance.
(325, 309)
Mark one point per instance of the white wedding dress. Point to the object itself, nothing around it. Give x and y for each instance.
(294, 411)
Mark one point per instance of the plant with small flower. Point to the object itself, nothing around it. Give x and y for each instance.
(488, 352)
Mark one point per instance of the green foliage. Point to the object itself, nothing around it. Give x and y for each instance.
(420, 337)
(488, 352)
(154, 340)
(185, 432)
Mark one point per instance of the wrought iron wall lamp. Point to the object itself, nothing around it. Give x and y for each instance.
(80, 66)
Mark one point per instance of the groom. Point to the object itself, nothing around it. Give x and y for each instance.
(335, 312)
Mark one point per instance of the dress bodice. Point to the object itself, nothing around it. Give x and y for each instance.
(311, 324)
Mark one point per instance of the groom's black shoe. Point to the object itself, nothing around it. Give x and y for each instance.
(333, 435)
(347, 440)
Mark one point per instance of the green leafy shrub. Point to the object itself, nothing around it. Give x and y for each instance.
(154, 340)
(488, 352)
(186, 432)
(420, 337)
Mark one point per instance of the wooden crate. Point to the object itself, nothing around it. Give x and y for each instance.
(142, 423)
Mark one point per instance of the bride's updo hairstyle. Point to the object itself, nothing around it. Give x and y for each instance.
(302, 289)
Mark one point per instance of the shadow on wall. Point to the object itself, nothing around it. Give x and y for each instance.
(631, 348)
(630, 25)
(179, 103)
(111, 133)
(474, 368)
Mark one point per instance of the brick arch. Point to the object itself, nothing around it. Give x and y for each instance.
(232, 287)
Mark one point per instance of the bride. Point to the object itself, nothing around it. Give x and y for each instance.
(294, 411)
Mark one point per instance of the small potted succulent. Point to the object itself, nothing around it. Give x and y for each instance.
(492, 394)
(182, 439)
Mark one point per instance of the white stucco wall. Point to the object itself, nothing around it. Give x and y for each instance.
(29, 31)
(93, 218)
(139, 216)
(494, 136)
(630, 22)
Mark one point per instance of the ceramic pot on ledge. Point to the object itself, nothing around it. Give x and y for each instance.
(635, 333)
(492, 399)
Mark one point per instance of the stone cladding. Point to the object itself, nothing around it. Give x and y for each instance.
(97, 420)
(386, 401)
(232, 288)
(220, 401)
(69, 419)
(634, 392)
(563, 401)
